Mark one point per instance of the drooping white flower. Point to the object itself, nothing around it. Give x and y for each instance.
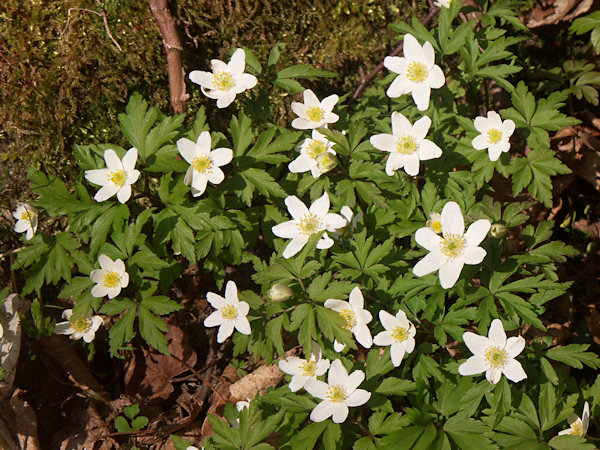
(454, 248)
(435, 222)
(306, 222)
(339, 393)
(110, 278)
(204, 162)
(117, 178)
(443, 3)
(355, 318)
(1, 331)
(407, 144)
(351, 222)
(240, 406)
(494, 134)
(27, 219)
(314, 113)
(316, 155)
(226, 80)
(417, 72)
(399, 334)
(494, 354)
(82, 327)
(578, 425)
(230, 313)
(303, 370)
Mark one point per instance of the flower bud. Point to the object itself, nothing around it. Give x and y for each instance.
(280, 293)
(498, 230)
(435, 222)
(326, 161)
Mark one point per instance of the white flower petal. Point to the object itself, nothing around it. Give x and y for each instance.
(420, 94)
(397, 353)
(225, 99)
(411, 164)
(295, 246)
(358, 398)
(395, 64)
(221, 156)
(420, 128)
(297, 383)
(452, 219)
(412, 48)
(383, 339)
(428, 150)
(436, 77)
(384, 142)
(296, 208)
(95, 176)
(328, 103)
(124, 193)
(480, 142)
(242, 325)
(476, 343)
(320, 206)
(225, 330)
(429, 264)
(113, 162)
(428, 239)
(340, 412)
(477, 232)
(400, 125)
(399, 86)
(106, 192)
(388, 321)
(514, 371)
(130, 159)
(214, 319)
(473, 255)
(215, 176)
(317, 388)
(450, 272)
(325, 242)
(493, 375)
(472, 366)
(237, 63)
(337, 373)
(356, 299)
(496, 334)
(321, 412)
(514, 346)
(302, 163)
(363, 336)
(508, 128)
(231, 293)
(286, 230)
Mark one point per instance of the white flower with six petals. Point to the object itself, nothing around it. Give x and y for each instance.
(303, 370)
(494, 354)
(110, 278)
(82, 327)
(230, 313)
(314, 113)
(399, 334)
(337, 394)
(355, 318)
(454, 248)
(226, 80)
(417, 72)
(204, 163)
(118, 176)
(578, 426)
(407, 144)
(27, 219)
(316, 155)
(306, 222)
(495, 134)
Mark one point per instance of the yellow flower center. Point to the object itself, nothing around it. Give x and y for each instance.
(223, 81)
(310, 224)
(437, 226)
(400, 334)
(417, 72)
(201, 164)
(117, 177)
(229, 312)
(315, 148)
(406, 145)
(494, 136)
(81, 324)
(577, 428)
(326, 161)
(314, 113)
(26, 216)
(452, 245)
(111, 279)
(337, 393)
(309, 368)
(348, 317)
(496, 357)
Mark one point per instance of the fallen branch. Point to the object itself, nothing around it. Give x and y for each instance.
(173, 48)
(364, 80)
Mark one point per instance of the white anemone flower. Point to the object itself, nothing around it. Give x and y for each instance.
(443, 3)
(454, 248)
(117, 178)
(306, 222)
(303, 370)
(578, 425)
(110, 278)
(230, 313)
(339, 393)
(204, 162)
(27, 219)
(226, 80)
(355, 318)
(82, 327)
(435, 222)
(494, 354)
(316, 155)
(407, 144)
(240, 406)
(314, 113)
(399, 334)
(494, 134)
(417, 72)
(351, 223)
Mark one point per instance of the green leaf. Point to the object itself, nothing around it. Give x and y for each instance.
(121, 424)
(122, 331)
(395, 386)
(304, 71)
(137, 122)
(467, 433)
(241, 133)
(139, 423)
(570, 442)
(574, 355)
(132, 410)
(161, 305)
(307, 437)
(150, 329)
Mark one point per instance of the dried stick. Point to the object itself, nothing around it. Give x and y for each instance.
(104, 19)
(365, 80)
(173, 48)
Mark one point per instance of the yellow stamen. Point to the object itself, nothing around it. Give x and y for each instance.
(576, 428)
(118, 177)
(400, 334)
(348, 317)
(111, 279)
(310, 224)
(406, 145)
(314, 113)
(223, 81)
(496, 357)
(309, 368)
(326, 161)
(337, 393)
(229, 312)
(201, 164)
(417, 72)
(452, 245)
(494, 136)
(315, 148)
(437, 226)
(82, 324)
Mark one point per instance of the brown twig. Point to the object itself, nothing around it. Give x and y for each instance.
(104, 19)
(173, 48)
(366, 79)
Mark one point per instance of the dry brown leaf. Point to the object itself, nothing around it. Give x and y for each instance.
(557, 11)
(10, 346)
(151, 374)
(258, 381)
(25, 422)
(218, 401)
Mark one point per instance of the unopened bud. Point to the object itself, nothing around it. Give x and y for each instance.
(326, 161)
(280, 293)
(498, 230)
